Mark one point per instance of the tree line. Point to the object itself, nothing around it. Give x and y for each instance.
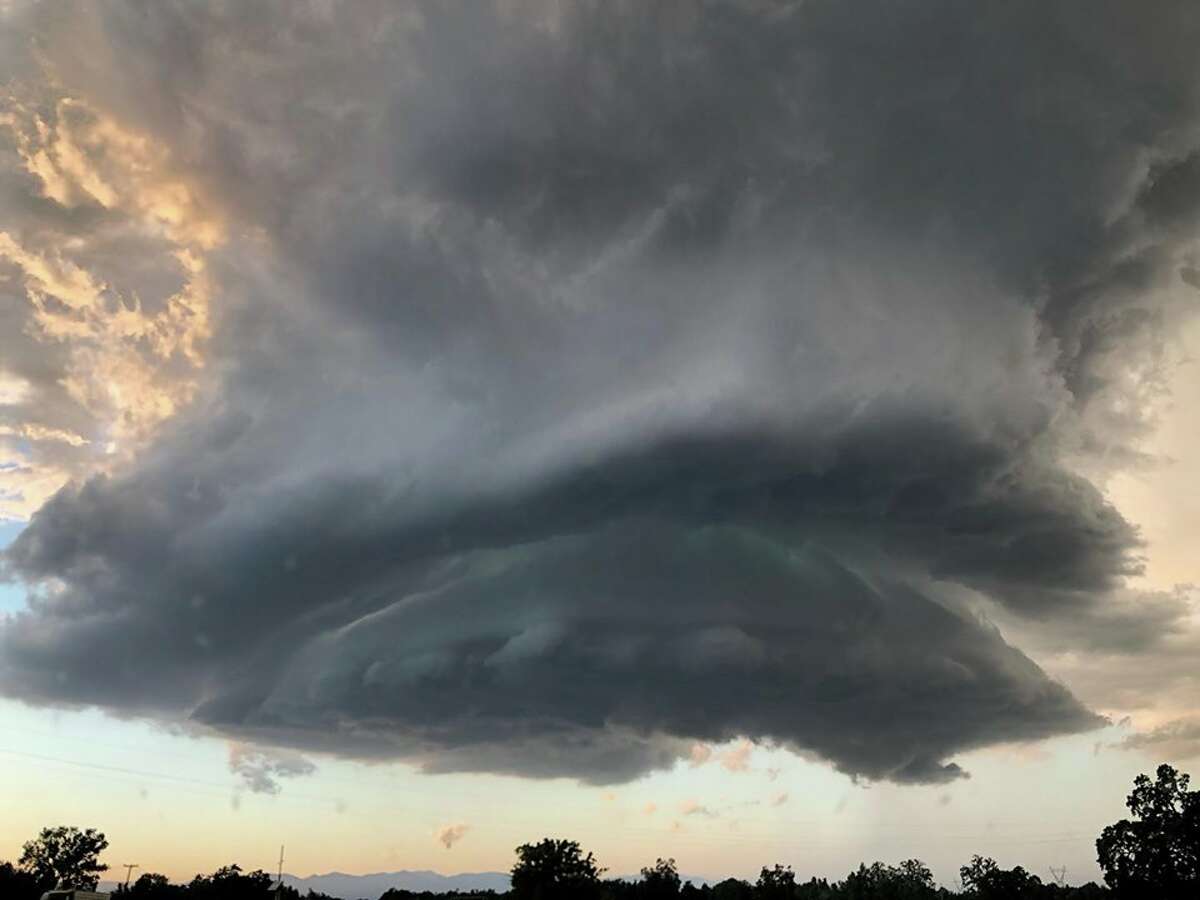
(1153, 854)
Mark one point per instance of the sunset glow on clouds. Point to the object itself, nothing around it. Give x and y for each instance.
(112, 266)
(603, 393)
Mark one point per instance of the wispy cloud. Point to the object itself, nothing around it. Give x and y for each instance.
(1179, 739)
(695, 808)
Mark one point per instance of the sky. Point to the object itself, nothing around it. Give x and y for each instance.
(744, 432)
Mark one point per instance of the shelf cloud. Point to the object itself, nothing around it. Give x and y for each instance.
(546, 388)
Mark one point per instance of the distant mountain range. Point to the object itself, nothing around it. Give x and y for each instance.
(369, 887)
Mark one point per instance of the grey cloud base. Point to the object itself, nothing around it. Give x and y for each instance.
(592, 629)
(591, 379)
(572, 656)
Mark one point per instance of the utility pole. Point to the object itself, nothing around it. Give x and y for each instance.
(129, 867)
(279, 877)
(1059, 876)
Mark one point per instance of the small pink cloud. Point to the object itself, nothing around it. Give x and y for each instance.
(737, 759)
(694, 808)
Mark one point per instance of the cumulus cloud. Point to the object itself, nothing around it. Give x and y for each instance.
(737, 759)
(450, 835)
(672, 388)
(260, 769)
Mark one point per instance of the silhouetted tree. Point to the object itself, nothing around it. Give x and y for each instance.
(911, 880)
(983, 878)
(559, 869)
(554, 869)
(732, 889)
(777, 883)
(153, 886)
(660, 880)
(65, 855)
(1159, 853)
(230, 883)
(817, 889)
(17, 883)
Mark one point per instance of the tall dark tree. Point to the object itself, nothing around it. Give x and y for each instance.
(1157, 854)
(555, 870)
(660, 880)
(984, 879)
(911, 880)
(230, 883)
(777, 883)
(65, 856)
(152, 886)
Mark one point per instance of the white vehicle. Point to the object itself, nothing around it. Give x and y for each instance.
(73, 894)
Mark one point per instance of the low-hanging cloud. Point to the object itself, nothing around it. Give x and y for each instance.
(1177, 739)
(593, 382)
(261, 768)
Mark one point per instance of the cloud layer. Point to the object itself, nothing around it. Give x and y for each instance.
(578, 382)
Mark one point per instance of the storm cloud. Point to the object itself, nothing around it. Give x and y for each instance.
(543, 388)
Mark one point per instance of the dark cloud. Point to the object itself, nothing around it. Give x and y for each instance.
(587, 381)
(575, 655)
